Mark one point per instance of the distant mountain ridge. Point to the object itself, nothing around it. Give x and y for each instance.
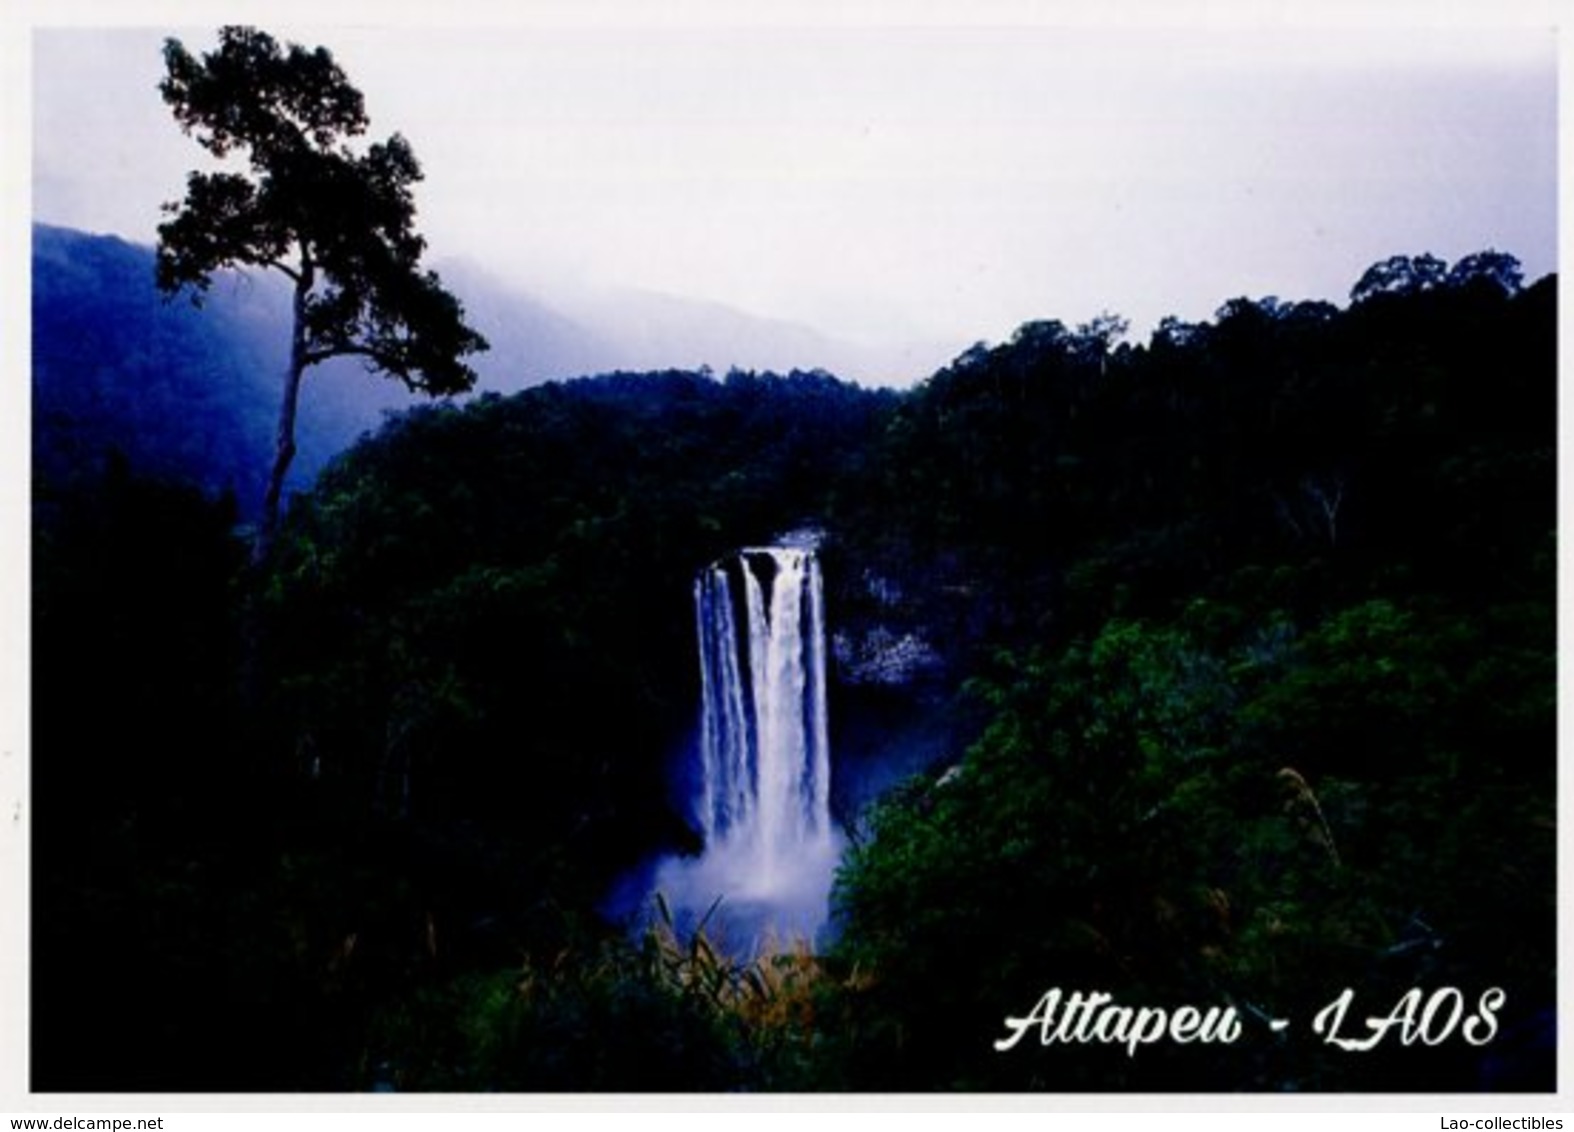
(193, 393)
(632, 329)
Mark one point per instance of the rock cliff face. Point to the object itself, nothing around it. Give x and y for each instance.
(880, 656)
(881, 643)
(892, 710)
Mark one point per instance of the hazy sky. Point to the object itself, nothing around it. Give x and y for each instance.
(889, 180)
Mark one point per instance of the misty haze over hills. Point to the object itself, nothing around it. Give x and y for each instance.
(539, 332)
(191, 392)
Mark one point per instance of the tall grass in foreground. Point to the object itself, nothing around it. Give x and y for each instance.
(672, 1011)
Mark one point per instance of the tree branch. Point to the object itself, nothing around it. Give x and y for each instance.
(279, 265)
(383, 360)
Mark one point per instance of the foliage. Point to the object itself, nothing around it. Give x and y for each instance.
(461, 597)
(1036, 488)
(182, 396)
(1143, 817)
(1241, 620)
(337, 224)
(1255, 622)
(605, 1013)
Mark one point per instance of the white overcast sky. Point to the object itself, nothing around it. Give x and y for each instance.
(882, 178)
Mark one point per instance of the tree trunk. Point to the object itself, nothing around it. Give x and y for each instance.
(283, 453)
(284, 440)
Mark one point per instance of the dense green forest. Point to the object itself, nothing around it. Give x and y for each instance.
(1244, 694)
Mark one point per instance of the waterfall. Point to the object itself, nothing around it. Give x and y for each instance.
(764, 750)
(763, 789)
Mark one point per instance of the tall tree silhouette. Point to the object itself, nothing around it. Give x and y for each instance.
(338, 223)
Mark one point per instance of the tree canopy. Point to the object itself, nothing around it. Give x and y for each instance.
(337, 222)
(1245, 694)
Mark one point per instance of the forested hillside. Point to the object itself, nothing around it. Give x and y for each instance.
(1241, 691)
(193, 393)
(1266, 637)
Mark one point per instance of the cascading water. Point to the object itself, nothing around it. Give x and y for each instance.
(764, 761)
(764, 750)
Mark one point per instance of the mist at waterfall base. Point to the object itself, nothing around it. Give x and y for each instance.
(760, 778)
